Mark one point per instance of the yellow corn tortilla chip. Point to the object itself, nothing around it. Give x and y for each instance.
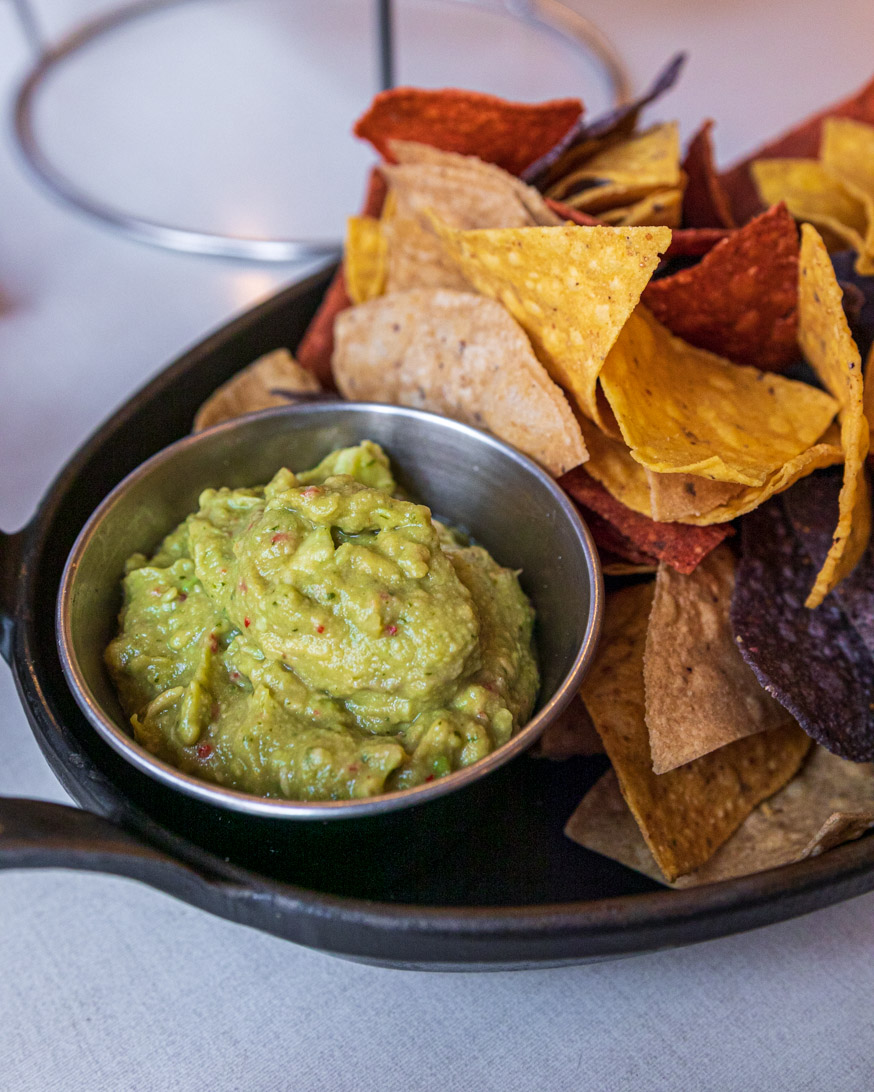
(814, 194)
(570, 288)
(611, 464)
(684, 498)
(255, 387)
(663, 207)
(685, 410)
(457, 191)
(847, 150)
(825, 340)
(624, 172)
(687, 813)
(365, 259)
(688, 498)
(829, 802)
(700, 693)
(461, 355)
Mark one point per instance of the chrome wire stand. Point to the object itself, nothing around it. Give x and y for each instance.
(549, 15)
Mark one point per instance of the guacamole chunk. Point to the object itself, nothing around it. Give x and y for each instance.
(321, 637)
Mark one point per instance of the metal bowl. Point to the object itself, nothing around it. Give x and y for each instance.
(506, 502)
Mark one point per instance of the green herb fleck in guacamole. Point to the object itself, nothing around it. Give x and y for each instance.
(320, 638)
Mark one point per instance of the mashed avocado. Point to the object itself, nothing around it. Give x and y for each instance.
(321, 638)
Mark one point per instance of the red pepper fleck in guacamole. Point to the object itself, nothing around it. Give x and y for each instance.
(321, 638)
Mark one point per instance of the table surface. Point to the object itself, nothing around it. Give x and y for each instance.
(108, 985)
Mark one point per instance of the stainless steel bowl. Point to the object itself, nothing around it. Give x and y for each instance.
(503, 499)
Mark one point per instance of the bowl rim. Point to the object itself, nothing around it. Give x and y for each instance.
(279, 808)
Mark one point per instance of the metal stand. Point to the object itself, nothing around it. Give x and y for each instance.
(550, 15)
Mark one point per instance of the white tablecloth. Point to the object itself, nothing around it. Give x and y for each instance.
(107, 985)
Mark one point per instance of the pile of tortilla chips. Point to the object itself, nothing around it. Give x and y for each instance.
(674, 345)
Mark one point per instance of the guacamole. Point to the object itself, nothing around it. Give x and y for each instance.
(322, 638)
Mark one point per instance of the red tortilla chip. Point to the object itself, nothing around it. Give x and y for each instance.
(511, 134)
(705, 204)
(677, 544)
(317, 344)
(802, 142)
(576, 216)
(741, 300)
(693, 242)
(612, 544)
(685, 242)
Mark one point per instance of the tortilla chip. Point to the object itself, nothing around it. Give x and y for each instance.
(685, 410)
(611, 464)
(572, 733)
(315, 347)
(812, 508)
(570, 288)
(676, 544)
(829, 802)
(511, 134)
(694, 242)
(705, 203)
(687, 813)
(364, 259)
(685, 242)
(740, 301)
(624, 172)
(272, 380)
(410, 153)
(700, 695)
(684, 497)
(813, 662)
(460, 355)
(860, 313)
(584, 138)
(801, 141)
(825, 340)
(461, 195)
(663, 208)
(814, 194)
(848, 152)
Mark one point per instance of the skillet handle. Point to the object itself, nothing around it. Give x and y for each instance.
(39, 834)
(10, 554)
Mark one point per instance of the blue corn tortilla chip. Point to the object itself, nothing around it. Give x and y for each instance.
(812, 661)
(862, 321)
(812, 508)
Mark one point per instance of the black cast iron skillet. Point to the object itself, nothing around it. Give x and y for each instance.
(482, 879)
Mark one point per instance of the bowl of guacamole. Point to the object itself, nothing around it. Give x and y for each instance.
(328, 609)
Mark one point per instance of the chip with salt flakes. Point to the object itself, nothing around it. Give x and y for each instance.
(828, 346)
(687, 813)
(700, 695)
(570, 288)
(462, 355)
(685, 410)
